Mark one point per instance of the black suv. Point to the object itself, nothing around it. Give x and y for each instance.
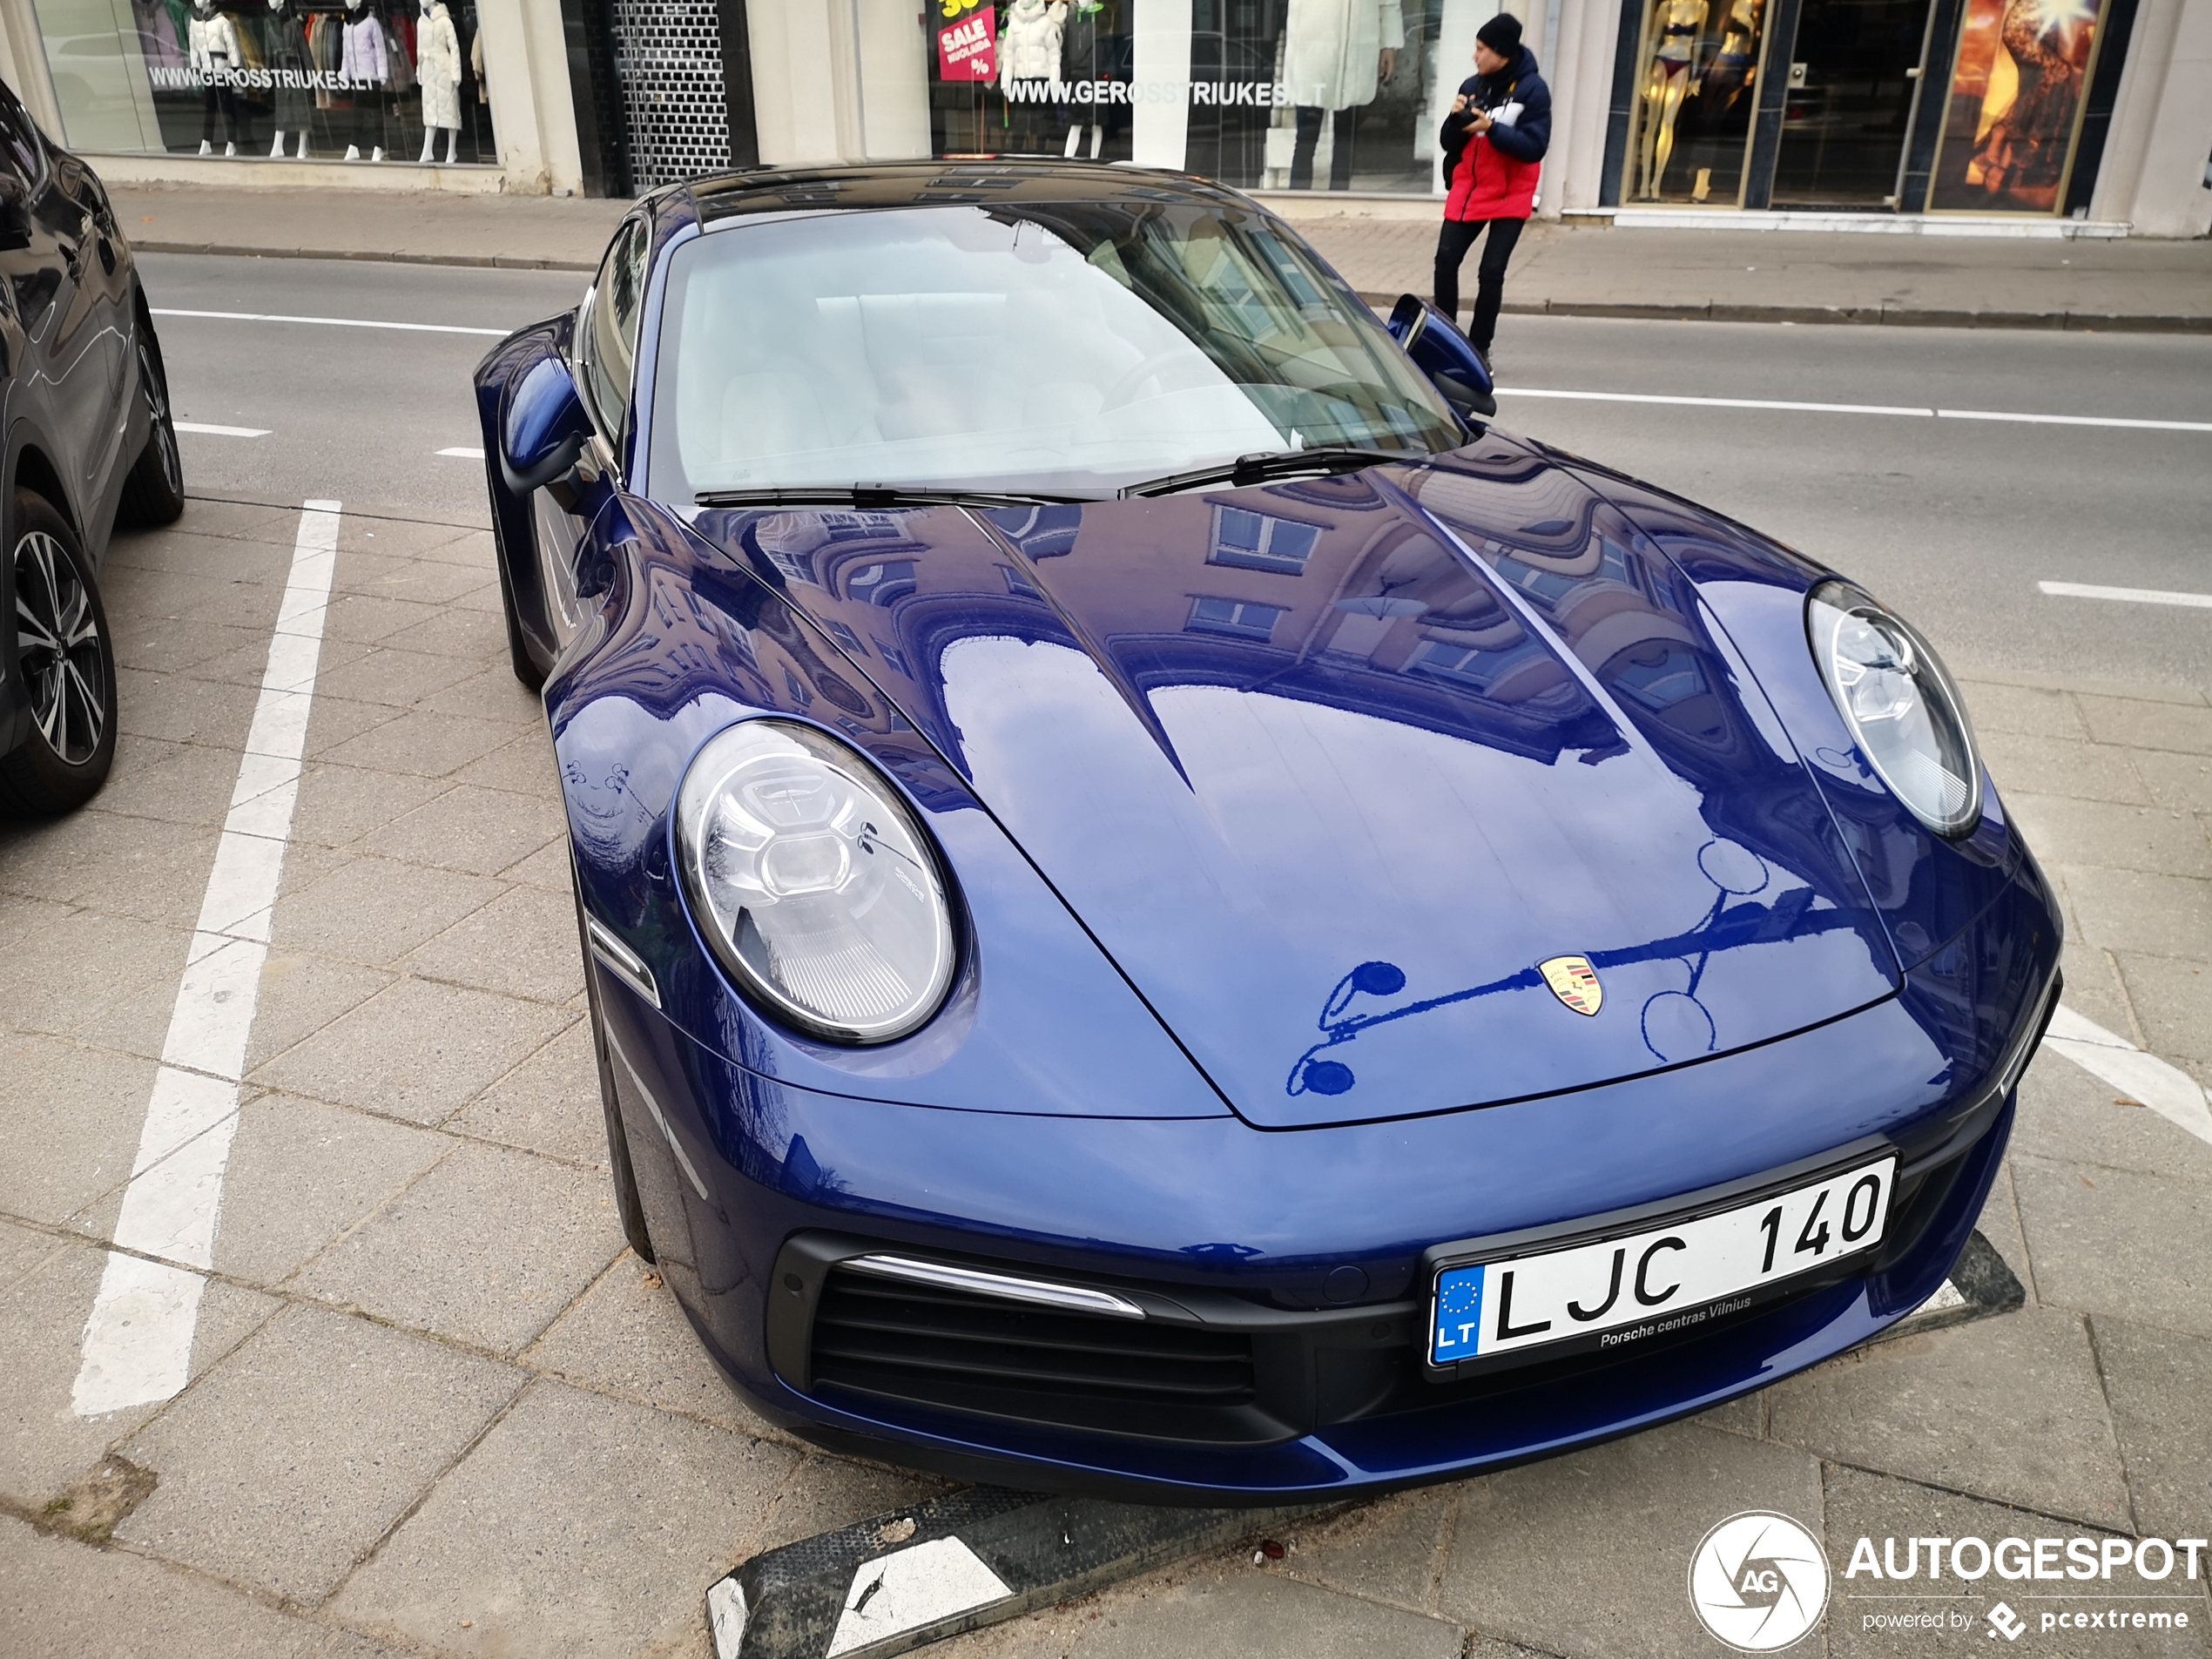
(89, 445)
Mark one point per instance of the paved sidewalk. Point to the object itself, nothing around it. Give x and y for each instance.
(1773, 276)
(436, 1408)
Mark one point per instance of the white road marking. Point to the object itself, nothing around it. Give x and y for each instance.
(2168, 1090)
(138, 1342)
(464, 454)
(2132, 596)
(206, 429)
(338, 322)
(897, 1593)
(1908, 409)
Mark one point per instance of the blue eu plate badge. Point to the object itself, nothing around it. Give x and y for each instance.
(1459, 1315)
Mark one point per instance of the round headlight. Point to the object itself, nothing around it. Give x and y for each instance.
(1907, 717)
(816, 887)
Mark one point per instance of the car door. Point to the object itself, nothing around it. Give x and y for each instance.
(604, 355)
(68, 372)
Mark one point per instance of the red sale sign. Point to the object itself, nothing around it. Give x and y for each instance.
(967, 50)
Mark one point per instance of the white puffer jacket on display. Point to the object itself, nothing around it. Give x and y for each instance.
(1029, 41)
(1332, 49)
(438, 67)
(214, 44)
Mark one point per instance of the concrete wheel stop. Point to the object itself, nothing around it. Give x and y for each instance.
(971, 1558)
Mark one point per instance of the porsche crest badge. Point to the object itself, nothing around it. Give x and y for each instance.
(1573, 982)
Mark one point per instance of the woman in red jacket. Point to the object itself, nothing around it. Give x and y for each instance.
(1493, 141)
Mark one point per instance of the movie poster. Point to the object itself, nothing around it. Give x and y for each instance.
(2016, 96)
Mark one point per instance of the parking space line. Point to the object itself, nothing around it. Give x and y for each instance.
(138, 1342)
(2168, 1090)
(207, 430)
(463, 453)
(334, 323)
(2125, 596)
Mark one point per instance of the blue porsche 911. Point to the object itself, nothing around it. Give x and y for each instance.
(1168, 910)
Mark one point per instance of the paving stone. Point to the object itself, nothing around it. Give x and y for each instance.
(2068, 1114)
(428, 745)
(301, 1172)
(177, 783)
(523, 943)
(494, 694)
(74, 1116)
(2044, 766)
(59, 1597)
(651, 1509)
(90, 853)
(1385, 1551)
(476, 636)
(395, 537)
(43, 1443)
(22, 1249)
(1235, 1612)
(550, 1103)
(418, 1050)
(489, 1247)
(431, 582)
(479, 831)
(177, 645)
(525, 764)
(2182, 780)
(548, 867)
(825, 1492)
(1519, 1564)
(2000, 1222)
(2160, 915)
(1879, 1507)
(624, 1337)
(2159, 839)
(2010, 1408)
(2029, 712)
(2160, 1386)
(285, 1464)
(368, 619)
(301, 995)
(2094, 987)
(180, 708)
(338, 804)
(339, 720)
(2174, 998)
(2148, 725)
(376, 910)
(64, 968)
(400, 678)
(2109, 1242)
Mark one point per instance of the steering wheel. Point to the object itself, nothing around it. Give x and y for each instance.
(1126, 383)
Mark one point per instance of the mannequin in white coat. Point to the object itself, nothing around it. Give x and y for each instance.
(437, 65)
(213, 47)
(1029, 52)
(1336, 54)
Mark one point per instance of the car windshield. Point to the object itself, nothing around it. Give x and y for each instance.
(1054, 348)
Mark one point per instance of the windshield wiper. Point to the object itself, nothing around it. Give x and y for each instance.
(1322, 458)
(873, 497)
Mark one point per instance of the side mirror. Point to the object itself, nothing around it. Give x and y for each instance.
(544, 429)
(1443, 354)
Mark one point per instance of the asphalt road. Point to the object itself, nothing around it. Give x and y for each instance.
(1954, 521)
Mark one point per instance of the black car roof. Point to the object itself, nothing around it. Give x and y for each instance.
(904, 184)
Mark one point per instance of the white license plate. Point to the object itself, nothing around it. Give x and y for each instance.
(1681, 1273)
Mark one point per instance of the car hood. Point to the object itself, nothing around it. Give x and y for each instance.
(1395, 793)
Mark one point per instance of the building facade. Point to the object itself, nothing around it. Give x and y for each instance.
(1995, 111)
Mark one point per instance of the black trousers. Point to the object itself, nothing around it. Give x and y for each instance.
(1452, 246)
(1308, 140)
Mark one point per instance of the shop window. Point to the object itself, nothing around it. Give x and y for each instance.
(1697, 69)
(1239, 618)
(303, 79)
(1258, 542)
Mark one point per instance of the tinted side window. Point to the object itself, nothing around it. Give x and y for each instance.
(616, 304)
(20, 145)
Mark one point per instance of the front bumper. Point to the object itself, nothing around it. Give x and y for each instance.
(756, 1190)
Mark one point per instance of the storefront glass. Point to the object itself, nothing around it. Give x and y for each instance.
(1323, 95)
(2016, 95)
(305, 79)
(1697, 68)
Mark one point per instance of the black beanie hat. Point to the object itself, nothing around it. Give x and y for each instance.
(1502, 34)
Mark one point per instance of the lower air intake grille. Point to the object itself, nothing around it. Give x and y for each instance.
(978, 1354)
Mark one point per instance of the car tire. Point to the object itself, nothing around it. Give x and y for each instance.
(153, 493)
(67, 660)
(519, 650)
(627, 1204)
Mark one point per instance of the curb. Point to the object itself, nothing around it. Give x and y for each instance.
(972, 1558)
(1895, 317)
(478, 262)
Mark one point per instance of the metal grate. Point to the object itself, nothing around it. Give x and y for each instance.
(667, 58)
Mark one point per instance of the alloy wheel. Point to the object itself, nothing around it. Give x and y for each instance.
(57, 643)
(165, 431)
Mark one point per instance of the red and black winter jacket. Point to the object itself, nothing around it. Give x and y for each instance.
(1494, 176)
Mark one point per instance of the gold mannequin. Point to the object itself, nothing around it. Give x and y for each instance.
(1678, 24)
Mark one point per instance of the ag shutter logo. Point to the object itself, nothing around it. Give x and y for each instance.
(1758, 1581)
(2009, 1624)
